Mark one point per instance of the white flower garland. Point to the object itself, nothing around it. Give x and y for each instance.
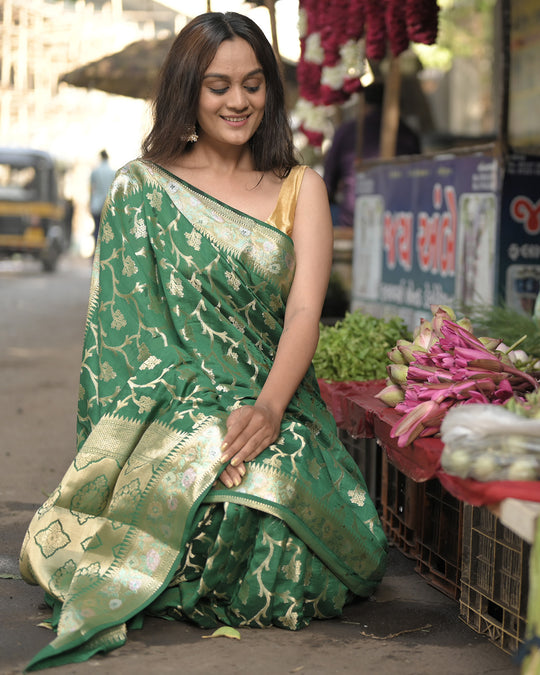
(314, 51)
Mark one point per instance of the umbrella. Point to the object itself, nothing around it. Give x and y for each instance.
(133, 71)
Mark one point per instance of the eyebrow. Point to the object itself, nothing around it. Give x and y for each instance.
(257, 71)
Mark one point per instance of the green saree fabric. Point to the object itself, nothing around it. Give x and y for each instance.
(186, 310)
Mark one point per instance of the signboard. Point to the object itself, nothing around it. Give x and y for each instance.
(425, 233)
(520, 233)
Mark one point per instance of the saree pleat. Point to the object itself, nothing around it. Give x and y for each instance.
(185, 314)
(244, 568)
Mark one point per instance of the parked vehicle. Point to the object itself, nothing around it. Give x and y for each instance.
(34, 218)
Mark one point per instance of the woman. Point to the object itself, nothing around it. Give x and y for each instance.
(209, 483)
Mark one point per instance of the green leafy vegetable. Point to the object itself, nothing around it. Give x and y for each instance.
(506, 324)
(356, 348)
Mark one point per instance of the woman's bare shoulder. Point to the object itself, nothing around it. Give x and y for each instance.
(312, 182)
(313, 187)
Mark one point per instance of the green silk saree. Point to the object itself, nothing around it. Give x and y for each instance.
(186, 310)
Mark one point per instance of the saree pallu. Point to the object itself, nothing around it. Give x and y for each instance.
(186, 310)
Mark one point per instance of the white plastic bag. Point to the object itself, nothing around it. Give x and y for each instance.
(488, 442)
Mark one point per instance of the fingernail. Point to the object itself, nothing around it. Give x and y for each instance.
(224, 445)
(242, 470)
(237, 482)
(234, 461)
(224, 459)
(228, 483)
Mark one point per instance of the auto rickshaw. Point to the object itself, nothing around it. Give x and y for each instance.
(33, 216)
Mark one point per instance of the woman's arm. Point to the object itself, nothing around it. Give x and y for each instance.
(251, 429)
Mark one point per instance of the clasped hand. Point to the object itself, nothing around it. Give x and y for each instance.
(250, 429)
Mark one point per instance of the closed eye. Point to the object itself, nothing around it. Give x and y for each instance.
(222, 90)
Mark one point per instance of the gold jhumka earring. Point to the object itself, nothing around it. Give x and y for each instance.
(191, 136)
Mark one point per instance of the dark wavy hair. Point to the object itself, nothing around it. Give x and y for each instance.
(176, 102)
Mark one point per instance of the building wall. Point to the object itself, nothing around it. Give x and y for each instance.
(39, 42)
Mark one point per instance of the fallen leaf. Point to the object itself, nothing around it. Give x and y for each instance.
(225, 631)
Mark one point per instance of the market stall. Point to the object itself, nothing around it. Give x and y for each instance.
(476, 555)
(458, 226)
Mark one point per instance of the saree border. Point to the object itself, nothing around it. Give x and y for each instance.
(268, 249)
(79, 634)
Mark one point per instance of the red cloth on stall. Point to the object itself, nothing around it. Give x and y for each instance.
(336, 395)
(479, 493)
(358, 412)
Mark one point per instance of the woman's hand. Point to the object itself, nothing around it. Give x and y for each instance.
(250, 429)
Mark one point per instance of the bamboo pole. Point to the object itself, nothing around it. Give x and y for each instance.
(390, 113)
(271, 7)
(359, 149)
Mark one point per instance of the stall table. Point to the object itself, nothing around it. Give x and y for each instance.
(423, 510)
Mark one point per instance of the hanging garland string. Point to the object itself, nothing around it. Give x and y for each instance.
(334, 39)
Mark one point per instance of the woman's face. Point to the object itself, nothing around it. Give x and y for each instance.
(233, 94)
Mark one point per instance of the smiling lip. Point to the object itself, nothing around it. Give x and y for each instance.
(236, 121)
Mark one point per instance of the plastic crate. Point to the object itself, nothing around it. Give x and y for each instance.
(367, 454)
(439, 539)
(401, 504)
(494, 579)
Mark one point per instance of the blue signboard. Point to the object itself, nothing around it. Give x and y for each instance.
(425, 233)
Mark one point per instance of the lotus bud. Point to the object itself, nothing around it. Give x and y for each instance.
(466, 323)
(409, 350)
(492, 365)
(396, 356)
(422, 326)
(391, 395)
(424, 336)
(414, 422)
(398, 373)
(518, 357)
(447, 311)
(504, 358)
(490, 343)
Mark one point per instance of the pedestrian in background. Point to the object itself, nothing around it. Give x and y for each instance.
(340, 160)
(209, 484)
(101, 178)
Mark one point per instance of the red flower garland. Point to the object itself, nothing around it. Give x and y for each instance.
(398, 38)
(356, 18)
(308, 72)
(333, 31)
(334, 27)
(422, 18)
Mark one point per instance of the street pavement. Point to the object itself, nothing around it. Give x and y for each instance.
(407, 628)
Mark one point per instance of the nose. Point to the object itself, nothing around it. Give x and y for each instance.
(237, 99)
